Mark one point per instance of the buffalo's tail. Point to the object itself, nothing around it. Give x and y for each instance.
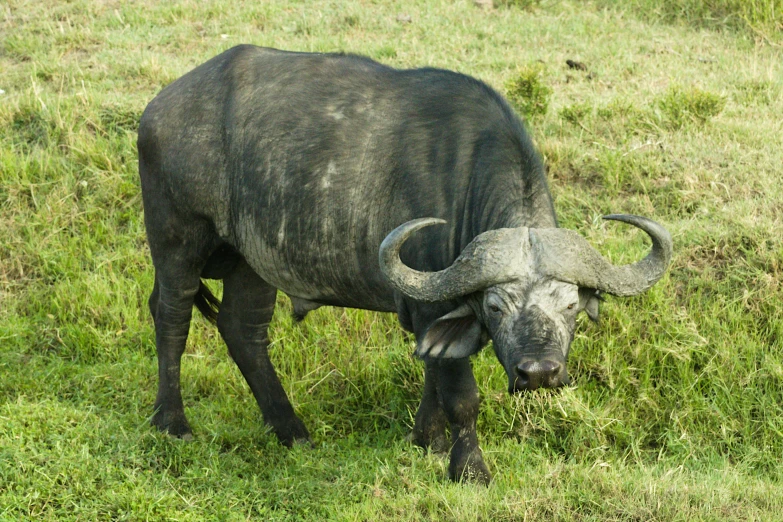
(207, 303)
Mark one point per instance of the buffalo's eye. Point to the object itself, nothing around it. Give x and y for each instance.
(495, 309)
(571, 306)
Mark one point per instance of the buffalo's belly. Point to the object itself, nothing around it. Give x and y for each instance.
(317, 267)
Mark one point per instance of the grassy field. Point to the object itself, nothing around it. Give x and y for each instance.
(677, 408)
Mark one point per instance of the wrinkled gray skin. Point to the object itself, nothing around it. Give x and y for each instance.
(285, 171)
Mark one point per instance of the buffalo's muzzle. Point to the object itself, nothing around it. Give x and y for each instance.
(532, 375)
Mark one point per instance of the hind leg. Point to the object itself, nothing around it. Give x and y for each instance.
(248, 304)
(171, 304)
(179, 247)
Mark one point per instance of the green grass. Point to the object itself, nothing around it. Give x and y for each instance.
(760, 19)
(677, 408)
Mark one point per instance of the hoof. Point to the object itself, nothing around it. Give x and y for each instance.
(292, 433)
(434, 443)
(471, 469)
(175, 424)
(305, 443)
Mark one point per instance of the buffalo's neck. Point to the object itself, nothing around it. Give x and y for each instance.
(507, 191)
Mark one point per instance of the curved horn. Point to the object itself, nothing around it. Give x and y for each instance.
(478, 266)
(565, 255)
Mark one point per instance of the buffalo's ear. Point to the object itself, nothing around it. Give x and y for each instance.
(453, 336)
(589, 300)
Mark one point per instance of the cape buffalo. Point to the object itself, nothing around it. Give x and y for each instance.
(319, 175)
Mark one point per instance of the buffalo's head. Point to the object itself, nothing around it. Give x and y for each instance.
(522, 288)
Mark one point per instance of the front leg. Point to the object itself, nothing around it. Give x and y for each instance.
(459, 395)
(429, 429)
(450, 391)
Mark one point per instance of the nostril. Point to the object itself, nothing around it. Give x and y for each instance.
(524, 369)
(551, 368)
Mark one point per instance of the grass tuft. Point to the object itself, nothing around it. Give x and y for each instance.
(528, 92)
(32, 126)
(681, 106)
(115, 118)
(757, 92)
